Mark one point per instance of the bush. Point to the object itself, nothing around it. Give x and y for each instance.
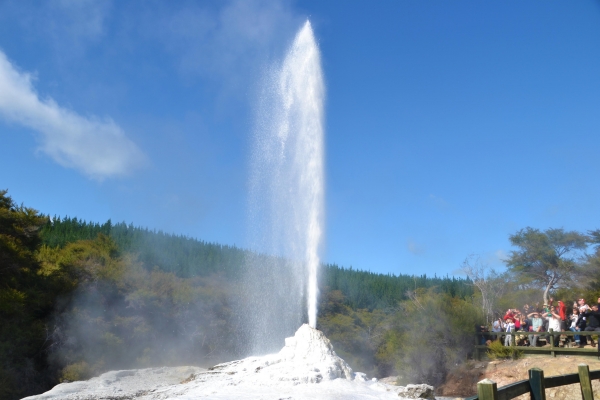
(76, 372)
(497, 351)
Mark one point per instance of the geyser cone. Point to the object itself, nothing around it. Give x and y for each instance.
(307, 357)
(286, 199)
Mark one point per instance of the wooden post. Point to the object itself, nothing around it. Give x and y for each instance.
(536, 382)
(586, 384)
(476, 348)
(487, 390)
(552, 353)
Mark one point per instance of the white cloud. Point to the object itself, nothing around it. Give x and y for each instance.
(97, 147)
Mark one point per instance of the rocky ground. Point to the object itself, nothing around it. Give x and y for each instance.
(462, 382)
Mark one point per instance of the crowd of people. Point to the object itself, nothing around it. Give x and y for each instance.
(535, 322)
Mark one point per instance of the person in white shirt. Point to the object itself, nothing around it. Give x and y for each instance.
(497, 327)
(553, 325)
(510, 327)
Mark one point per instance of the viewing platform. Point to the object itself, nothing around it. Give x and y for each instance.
(550, 348)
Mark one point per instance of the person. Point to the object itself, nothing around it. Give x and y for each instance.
(510, 327)
(480, 330)
(523, 327)
(574, 328)
(553, 325)
(517, 320)
(593, 321)
(510, 313)
(582, 306)
(536, 326)
(562, 311)
(497, 326)
(524, 323)
(581, 324)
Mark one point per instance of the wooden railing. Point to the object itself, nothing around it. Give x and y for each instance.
(552, 349)
(536, 385)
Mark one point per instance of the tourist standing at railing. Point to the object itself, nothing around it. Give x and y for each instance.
(517, 320)
(562, 311)
(497, 327)
(510, 313)
(593, 321)
(575, 317)
(582, 306)
(536, 326)
(510, 327)
(582, 320)
(524, 322)
(553, 325)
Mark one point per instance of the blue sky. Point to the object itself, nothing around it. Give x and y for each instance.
(449, 125)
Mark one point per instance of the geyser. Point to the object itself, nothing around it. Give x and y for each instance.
(286, 197)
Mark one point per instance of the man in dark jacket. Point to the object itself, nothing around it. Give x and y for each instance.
(592, 320)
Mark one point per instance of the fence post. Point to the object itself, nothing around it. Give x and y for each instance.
(487, 390)
(536, 382)
(586, 384)
(552, 353)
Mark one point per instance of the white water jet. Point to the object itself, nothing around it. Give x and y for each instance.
(287, 197)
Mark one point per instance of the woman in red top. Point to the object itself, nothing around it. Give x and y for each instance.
(562, 312)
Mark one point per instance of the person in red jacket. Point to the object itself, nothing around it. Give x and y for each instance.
(562, 311)
(510, 313)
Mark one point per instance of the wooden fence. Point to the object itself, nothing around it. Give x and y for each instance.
(552, 349)
(536, 385)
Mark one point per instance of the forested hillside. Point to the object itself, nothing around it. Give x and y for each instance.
(187, 257)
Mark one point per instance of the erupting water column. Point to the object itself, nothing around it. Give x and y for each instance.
(287, 196)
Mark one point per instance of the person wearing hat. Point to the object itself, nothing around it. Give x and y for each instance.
(536, 326)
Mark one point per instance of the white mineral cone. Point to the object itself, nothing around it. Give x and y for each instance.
(307, 357)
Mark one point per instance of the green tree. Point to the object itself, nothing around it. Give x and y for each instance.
(547, 258)
(25, 302)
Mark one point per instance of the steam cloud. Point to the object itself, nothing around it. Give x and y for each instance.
(96, 147)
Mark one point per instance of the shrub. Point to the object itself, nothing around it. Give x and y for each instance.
(76, 372)
(497, 351)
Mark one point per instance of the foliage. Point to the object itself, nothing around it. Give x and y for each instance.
(546, 258)
(364, 289)
(437, 333)
(123, 316)
(497, 351)
(181, 255)
(25, 302)
(76, 372)
(357, 335)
